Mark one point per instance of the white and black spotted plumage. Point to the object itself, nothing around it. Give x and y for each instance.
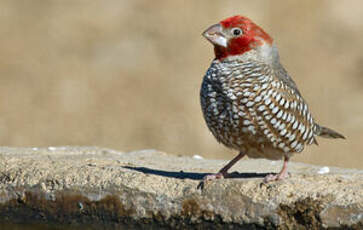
(248, 108)
(249, 101)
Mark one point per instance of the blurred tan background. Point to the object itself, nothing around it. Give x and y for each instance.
(126, 74)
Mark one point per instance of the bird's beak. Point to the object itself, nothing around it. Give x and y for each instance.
(214, 34)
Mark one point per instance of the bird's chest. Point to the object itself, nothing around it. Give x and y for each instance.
(225, 108)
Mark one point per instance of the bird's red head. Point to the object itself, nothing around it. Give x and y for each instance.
(235, 36)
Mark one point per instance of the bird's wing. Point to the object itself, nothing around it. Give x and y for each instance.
(290, 119)
(272, 98)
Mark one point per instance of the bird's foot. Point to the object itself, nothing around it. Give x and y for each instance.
(214, 176)
(211, 177)
(276, 177)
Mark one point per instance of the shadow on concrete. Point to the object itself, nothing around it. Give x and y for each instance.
(192, 175)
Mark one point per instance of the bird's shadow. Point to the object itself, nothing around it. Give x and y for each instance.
(192, 175)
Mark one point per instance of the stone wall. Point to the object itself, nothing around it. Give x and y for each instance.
(94, 187)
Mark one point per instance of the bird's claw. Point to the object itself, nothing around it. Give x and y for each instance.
(210, 177)
(213, 176)
(275, 177)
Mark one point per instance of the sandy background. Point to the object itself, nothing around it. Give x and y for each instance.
(126, 74)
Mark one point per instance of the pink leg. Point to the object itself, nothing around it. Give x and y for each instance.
(281, 175)
(223, 172)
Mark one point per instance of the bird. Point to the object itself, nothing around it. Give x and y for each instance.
(249, 101)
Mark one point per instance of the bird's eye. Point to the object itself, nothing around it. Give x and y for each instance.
(236, 32)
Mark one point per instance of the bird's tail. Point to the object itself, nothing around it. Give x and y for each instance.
(327, 133)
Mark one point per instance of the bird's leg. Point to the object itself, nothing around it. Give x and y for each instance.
(281, 175)
(223, 172)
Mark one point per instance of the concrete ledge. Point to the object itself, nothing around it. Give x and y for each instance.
(84, 186)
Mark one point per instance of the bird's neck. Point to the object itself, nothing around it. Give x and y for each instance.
(266, 53)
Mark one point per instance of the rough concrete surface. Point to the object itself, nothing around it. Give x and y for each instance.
(87, 186)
